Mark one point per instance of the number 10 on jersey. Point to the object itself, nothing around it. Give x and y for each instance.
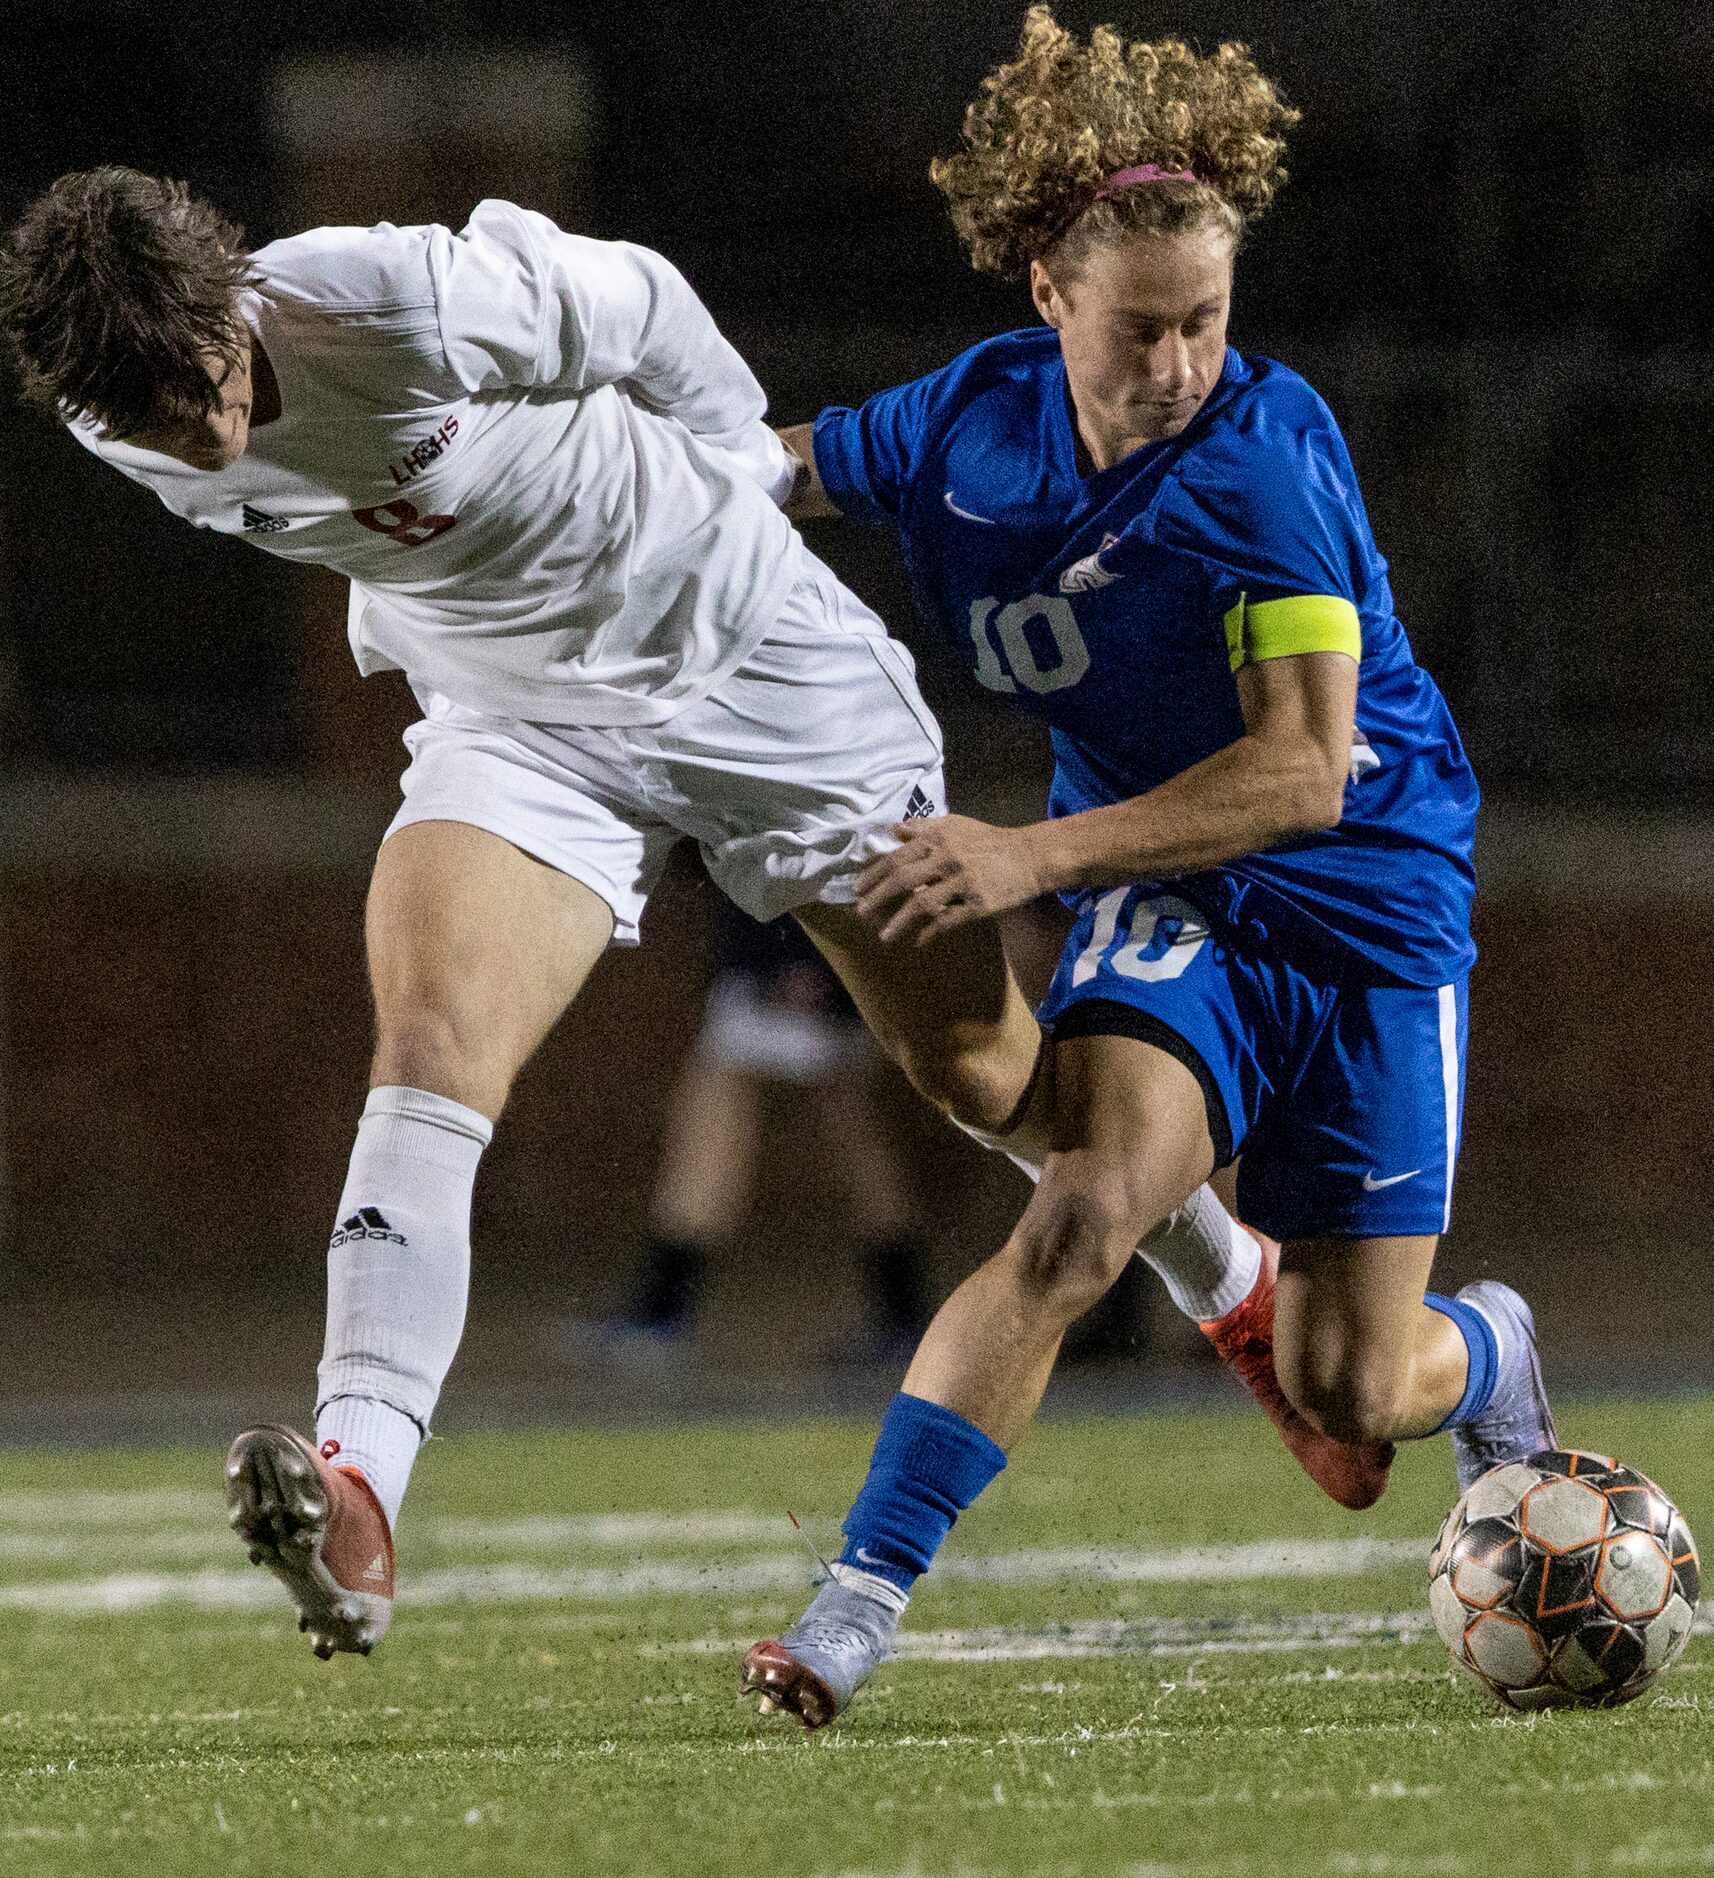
(1005, 656)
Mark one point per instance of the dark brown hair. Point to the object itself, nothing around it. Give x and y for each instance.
(114, 286)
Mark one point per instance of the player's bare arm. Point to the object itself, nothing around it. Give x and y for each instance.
(1285, 776)
(806, 500)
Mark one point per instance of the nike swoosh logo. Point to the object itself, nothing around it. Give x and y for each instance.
(1372, 1185)
(868, 1558)
(987, 521)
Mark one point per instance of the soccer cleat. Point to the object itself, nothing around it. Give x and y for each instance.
(319, 1530)
(1352, 1472)
(1517, 1421)
(813, 1671)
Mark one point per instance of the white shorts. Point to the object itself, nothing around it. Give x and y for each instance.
(789, 775)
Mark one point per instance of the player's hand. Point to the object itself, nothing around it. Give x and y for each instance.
(945, 873)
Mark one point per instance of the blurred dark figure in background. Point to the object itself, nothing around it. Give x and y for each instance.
(776, 1016)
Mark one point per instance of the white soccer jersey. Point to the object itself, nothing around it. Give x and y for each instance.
(543, 469)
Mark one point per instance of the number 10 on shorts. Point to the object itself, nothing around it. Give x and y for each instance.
(1159, 941)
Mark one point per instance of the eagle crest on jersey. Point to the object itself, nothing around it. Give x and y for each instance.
(1082, 575)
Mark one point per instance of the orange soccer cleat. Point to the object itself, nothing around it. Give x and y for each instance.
(319, 1529)
(1352, 1472)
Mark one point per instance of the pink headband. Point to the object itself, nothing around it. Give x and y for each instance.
(1143, 173)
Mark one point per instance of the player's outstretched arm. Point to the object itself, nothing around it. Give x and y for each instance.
(1285, 776)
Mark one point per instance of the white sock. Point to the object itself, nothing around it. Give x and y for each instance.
(1207, 1261)
(398, 1279)
(881, 1590)
(375, 1438)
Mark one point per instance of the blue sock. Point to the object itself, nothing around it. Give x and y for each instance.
(928, 1465)
(1484, 1349)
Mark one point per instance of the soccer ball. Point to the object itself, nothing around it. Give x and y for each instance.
(1564, 1579)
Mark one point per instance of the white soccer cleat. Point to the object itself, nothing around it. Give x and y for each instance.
(319, 1529)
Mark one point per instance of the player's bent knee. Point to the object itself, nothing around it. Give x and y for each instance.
(420, 1047)
(1071, 1246)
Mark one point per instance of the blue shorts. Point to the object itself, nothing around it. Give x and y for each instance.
(1344, 1096)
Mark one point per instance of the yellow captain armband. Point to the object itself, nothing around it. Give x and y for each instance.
(1280, 629)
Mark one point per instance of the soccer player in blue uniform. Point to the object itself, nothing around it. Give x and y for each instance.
(1260, 808)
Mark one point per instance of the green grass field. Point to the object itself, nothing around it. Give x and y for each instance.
(1152, 1650)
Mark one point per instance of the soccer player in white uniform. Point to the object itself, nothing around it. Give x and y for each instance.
(548, 478)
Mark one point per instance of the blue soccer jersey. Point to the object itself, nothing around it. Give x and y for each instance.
(1118, 607)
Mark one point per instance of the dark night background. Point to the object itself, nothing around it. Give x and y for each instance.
(1495, 258)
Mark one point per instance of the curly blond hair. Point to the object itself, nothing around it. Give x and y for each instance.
(1046, 130)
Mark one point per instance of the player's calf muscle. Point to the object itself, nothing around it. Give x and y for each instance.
(1365, 1400)
(1398, 1383)
(1359, 1355)
(950, 1015)
(977, 1073)
(976, 1070)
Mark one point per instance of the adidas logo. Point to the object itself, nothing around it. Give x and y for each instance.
(260, 522)
(367, 1222)
(376, 1568)
(919, 808)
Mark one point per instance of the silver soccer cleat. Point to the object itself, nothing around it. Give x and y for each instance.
(1517, 1421)
(813, 1671)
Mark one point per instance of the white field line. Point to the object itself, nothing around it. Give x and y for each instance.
(1190, 1564)
(518, 1583)
(27, 1511)
(1198, 1637)
(609, 1531)
(187, 1525)
(36, 1539)
(175, 1521)
(184, 1545)
(1146, 1636)
(88, 1510)
(76, 1509)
